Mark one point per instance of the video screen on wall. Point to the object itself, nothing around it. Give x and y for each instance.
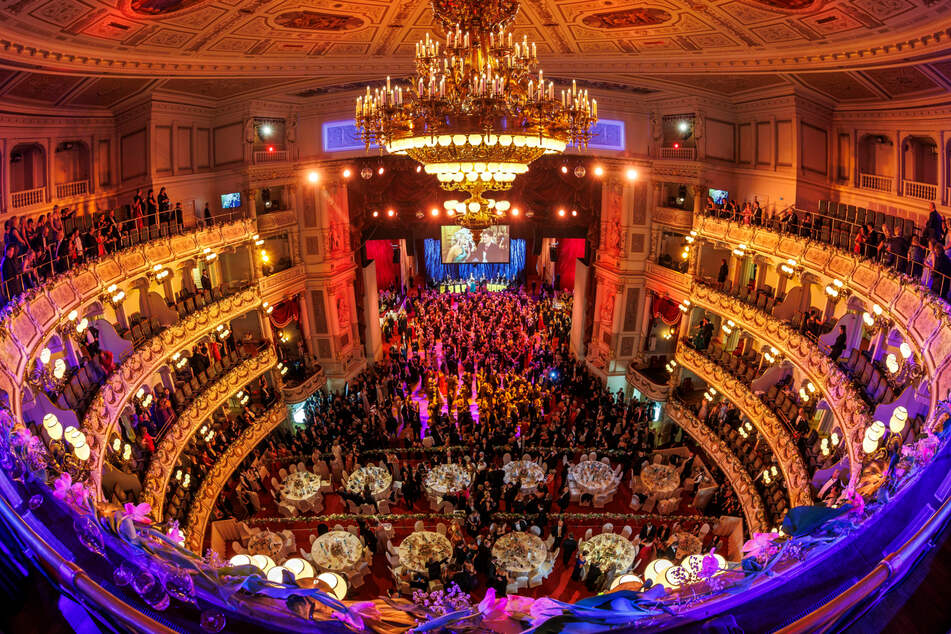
(231, 201)
(461, 245)
(719, 196)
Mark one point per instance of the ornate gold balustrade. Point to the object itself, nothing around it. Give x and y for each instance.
(176, 439)
(113, 397)
(720, 452)
(26, 323)
(782, 445)
(848, 409)
(923, 319)
(306, 388)
(221, 472)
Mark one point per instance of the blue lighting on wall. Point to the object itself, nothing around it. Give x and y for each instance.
(437, 271)
(342, 136)
(607, 134)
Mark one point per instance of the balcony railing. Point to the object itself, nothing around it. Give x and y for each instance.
(876, 183)
(921, 191)
(678, 153)
(27, 197)
(69, 190)
(273, 156)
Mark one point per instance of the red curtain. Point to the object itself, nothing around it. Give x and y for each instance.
(569, 250)
(284, 313)
(387, 271)
(667, 310)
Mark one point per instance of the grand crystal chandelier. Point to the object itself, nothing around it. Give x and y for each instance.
(478, 110)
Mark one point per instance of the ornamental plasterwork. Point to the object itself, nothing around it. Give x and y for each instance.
(922, 319)
(679, 218)
(176, 439)
(120, 387)
(846, 404)
(717, 449)
(219, 474)
(787, 454)
(28, 320)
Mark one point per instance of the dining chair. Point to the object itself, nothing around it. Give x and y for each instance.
(383, 506)
(238, 548)
(535, 530)
(338, 527)
(282, 472)
(301, 468)
(292, 468)
(593, 456)
(441, 528)
(306, 555)
(419, 526)
(588, 534)
(606, 460)
(312, 538)
(286, 510)
(607, 528)
(527, 457)
(506, 458)
(627, 531)
(550, 542)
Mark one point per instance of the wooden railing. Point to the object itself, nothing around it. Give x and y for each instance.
(678, 153)
(27, 197)
(76, 188)
(271, 157)
(876, 183)
(921, 191)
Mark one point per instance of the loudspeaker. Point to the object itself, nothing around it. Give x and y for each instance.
(396, 254)
(410, 247)
(364, 260)
(587, 253)
(536, 245)
(553, 253)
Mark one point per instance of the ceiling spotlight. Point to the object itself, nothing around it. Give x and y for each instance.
(390, 213)
(266, 131)
(574, 212)
(419, 168)
(376, 214)
(580, 171)
(366, 173)
(515, 211)
(683, 127)
(631, 174)
(561, 212)
(564, 169)
(313, 177)
(450, 212)
(380, 170)
(347, 173)
(598, 171)
(434, 212)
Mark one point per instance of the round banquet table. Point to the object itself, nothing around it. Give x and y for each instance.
(520, 553)
(594, 477)
(526, 472)
(266, 543)
(688, 544)
(660, 479)
(380, 481)
(422, 548)
(337, 551)
(445, 478)
(300, 487)
(609, 548)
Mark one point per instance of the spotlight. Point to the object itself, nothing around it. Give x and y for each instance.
(515, 211)
(266, 131)
(574, 212)
(564, 169)
(631, 174)
(683, 127)
(676, 146)
(390, 213)
(580, 171)
(376, 214)
(450, 212)
(366, 173)
(434, 212)
(347, 173)
(380, 170)
(270, 148)
(313, 177)
(419, 168)
(561, 212)
(599, 171)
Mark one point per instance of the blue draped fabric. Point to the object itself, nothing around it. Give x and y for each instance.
(437, 271)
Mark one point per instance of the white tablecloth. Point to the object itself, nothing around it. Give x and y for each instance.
(421, 548)
(337, 551)
(379, 479)
(526, 472)
(660, 479)
(300, 487)
(520, 553)
(266, 543)
(609, 548)
(593, 477)
(446, 478)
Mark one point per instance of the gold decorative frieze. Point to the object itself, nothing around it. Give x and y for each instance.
(769, 426)
(176, 439)
(219, 474)
(729, 464)
(847, 406)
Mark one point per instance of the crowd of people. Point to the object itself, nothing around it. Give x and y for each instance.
(467, 378)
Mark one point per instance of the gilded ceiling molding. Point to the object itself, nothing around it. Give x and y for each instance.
(729, 464)
(119, 388)
(847, 406)
(302, 391)
(27, 322)
(176, 439)
(923, 319)
(221, 472)
(794, 470)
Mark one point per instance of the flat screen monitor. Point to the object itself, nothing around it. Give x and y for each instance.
(719, 196)
(231, 201)
(461, 245)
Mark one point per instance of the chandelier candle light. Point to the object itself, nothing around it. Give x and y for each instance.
(479, 109)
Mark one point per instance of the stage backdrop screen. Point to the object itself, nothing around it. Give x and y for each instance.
(460, 245)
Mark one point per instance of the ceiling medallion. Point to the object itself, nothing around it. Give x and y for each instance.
(479, 110)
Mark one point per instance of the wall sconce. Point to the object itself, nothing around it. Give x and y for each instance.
(114, 295)
(670, 366)
(740, 251)
(52, 426)
(268, 309)
(771, 355)
(684, 306)
(160, 272)
(209, 254)
(728, 327)
(789, 267)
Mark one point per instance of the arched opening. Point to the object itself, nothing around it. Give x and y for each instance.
(71, 164)
(27, 175)
(876, 157)
(920, 167)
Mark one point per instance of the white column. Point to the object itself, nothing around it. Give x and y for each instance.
(371, 311)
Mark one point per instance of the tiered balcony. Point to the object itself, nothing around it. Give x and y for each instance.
(873, 182)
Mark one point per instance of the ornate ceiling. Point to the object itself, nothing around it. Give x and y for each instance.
(721, 46)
